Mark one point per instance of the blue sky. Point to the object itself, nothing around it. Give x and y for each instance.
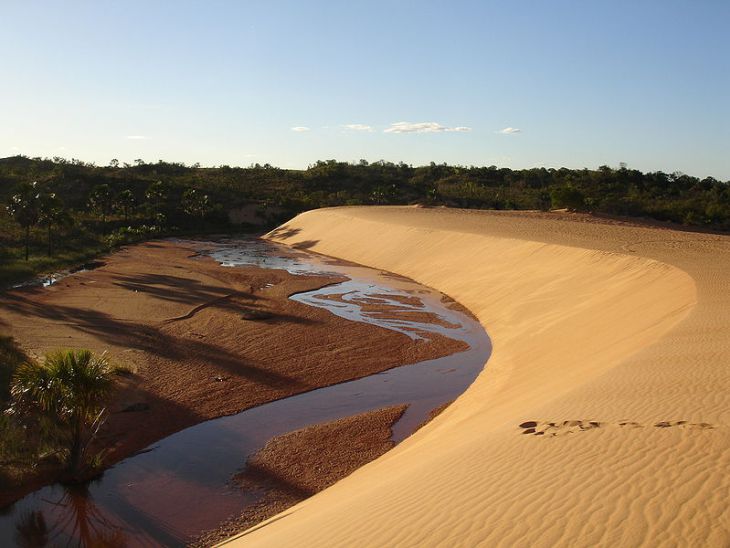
(581, 83)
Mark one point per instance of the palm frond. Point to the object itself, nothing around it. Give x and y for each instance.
(67, 390)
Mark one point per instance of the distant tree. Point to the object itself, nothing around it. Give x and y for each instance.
(196, 204)
(383, 194)
(156, 195)
(101, 201)
(568, 197)
(139, 162)
(543, 201)
(23, 208)
(68, 391)
(114, 163)
(432, 193)
(125, 202)
(52, 214)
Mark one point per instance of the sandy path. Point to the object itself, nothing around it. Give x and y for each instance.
(180, 322)
(613, 339)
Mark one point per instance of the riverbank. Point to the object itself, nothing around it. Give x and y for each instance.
(295, 466)
(610, 337)
(201, 340)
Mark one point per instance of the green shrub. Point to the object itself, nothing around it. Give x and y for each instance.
(568, 197)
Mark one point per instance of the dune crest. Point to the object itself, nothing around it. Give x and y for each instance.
(611, 351)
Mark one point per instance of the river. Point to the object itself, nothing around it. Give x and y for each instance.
(181, 485)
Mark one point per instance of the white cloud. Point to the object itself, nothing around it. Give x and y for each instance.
(14, 148)
(137, 137)
(509, 131)
(300, 129)
(423, 127)
(359, 127)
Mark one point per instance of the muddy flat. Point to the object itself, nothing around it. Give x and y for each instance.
(201, 340)
(297, 465)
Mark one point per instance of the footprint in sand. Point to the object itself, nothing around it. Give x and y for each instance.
(684, 424)
(544, 428)
(559, 428)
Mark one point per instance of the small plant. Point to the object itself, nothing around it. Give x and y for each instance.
(129, 234)
(124, 370)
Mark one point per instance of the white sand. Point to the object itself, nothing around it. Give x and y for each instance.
(624, 326)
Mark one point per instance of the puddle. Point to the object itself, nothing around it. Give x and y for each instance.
(50, 279)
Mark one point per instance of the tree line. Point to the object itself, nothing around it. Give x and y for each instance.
(92, 205)
(32, 205)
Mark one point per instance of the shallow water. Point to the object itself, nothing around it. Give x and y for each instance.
(181, 486)
(50, 279)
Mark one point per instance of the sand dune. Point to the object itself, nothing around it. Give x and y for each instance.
(602, 417)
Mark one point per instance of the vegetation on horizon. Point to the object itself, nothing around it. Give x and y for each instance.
(77, 209)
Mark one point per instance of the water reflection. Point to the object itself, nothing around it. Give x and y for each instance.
(360, 298)
(75, 521)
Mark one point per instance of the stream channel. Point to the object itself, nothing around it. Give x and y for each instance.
(181, 485)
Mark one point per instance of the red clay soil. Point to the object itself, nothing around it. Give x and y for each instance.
(295, 466)
(202, 341)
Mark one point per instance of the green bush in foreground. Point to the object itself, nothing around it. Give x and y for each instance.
(67, 393)
(21, 445)
(11, 357)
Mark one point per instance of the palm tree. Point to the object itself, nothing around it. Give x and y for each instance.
(156, 195)
(23, 207)
(51, 213)
(196, 204)
(100, 199)
(69, 390)
(125, 202)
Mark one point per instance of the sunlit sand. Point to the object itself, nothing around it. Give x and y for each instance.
(601, 417)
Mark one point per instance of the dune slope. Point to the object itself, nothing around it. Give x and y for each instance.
(611, 349)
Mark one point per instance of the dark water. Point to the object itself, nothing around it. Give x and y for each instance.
(181, 485)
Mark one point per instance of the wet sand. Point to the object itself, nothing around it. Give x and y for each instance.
(295, 466)
(202, 341)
